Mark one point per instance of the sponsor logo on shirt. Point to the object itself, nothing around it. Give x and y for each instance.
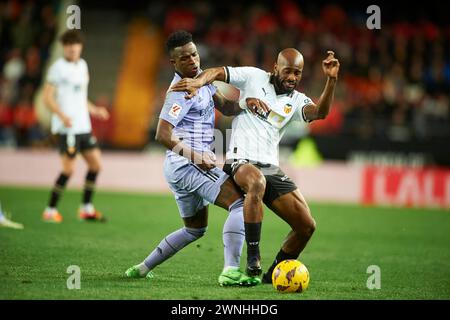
(175, 110)
(206, 113)
(276, 119)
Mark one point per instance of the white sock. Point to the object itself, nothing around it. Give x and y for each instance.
(228, 268)
(50, 210)
(89, 208)
(143, 270)
(233, 235)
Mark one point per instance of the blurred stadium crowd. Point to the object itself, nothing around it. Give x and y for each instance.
(27, 30)
(394, 82)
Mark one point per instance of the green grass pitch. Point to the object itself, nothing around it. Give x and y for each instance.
(411, 247)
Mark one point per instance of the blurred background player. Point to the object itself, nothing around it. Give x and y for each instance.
(65, 94)
(186, 129)
(7, 223)
(252, 159)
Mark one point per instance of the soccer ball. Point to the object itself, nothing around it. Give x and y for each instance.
(290, 276)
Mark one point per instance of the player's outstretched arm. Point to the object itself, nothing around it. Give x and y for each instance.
(226, 107)
(192, 85)
(330, 67)
(165, 136)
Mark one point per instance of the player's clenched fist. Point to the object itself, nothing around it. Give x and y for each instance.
(331, 65)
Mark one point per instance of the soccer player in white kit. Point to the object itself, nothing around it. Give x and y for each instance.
(252, 158)
(65, 94)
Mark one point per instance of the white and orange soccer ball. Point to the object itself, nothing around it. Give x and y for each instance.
(290, 276)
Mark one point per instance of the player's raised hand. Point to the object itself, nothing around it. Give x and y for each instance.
(331, 65)
(189, 85)
(257, 106)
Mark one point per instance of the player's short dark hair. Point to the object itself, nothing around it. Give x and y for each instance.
(72, 37)
(177, 39)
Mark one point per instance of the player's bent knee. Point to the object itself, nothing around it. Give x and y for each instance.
(257, 186)
(305, 224)
(248, 176)
(308, 228)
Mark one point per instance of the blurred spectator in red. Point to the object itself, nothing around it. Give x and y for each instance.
(25, 122)
(263, 22)
(290, 14)
(333, 18)
(179, 17)
(103, 129)
(332, 124)
(6, 125)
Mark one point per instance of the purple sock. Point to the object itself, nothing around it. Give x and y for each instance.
(171, 244)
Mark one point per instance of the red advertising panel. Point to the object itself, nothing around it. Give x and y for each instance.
(411, 187)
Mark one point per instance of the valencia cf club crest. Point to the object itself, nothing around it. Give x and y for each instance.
(287, 108)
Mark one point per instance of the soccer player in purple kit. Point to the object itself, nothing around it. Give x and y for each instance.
(186, 128)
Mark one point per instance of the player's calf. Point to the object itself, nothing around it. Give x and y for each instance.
(253, 183)
(170, 245)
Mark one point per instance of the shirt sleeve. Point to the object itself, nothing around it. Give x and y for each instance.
(240, 76)
(212, 89)
(53, 75)
(300, 114)
(86, 69)
(175, 107)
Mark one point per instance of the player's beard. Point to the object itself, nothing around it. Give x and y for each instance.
(280, 87)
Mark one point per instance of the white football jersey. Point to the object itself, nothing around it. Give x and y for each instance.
(254, 137)
(71, 81)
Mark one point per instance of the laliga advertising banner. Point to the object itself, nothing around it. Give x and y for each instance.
(403, 186)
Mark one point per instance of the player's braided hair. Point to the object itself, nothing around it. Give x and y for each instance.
(177, 39)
